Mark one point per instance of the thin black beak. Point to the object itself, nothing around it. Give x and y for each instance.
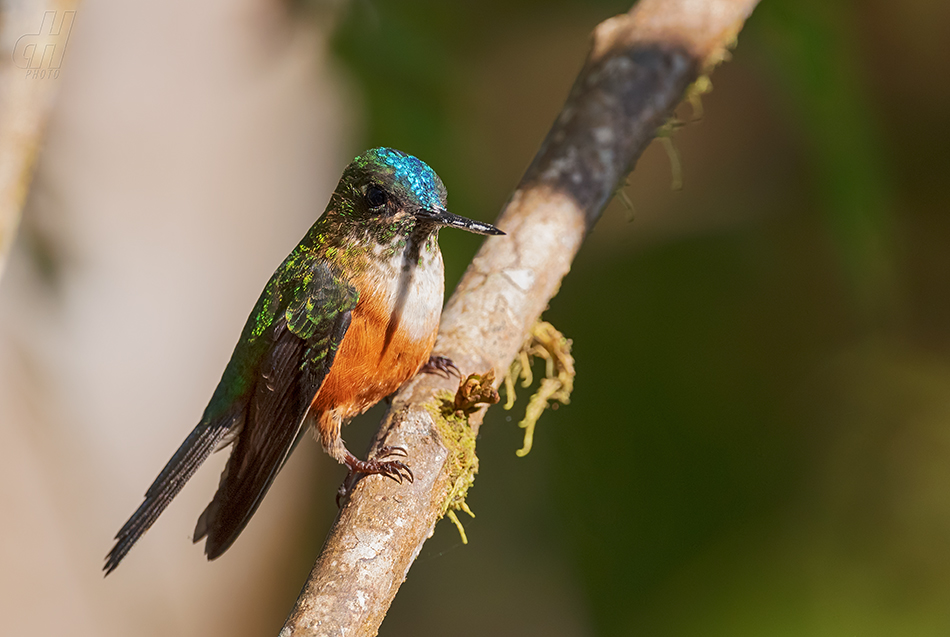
(446, 218)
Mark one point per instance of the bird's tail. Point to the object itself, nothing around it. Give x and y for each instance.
(193, 451)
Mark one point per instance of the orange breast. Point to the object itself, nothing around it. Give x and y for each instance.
(374, 359)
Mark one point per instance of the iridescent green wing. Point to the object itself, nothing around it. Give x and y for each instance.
(285, 352)
(222, 419)
(313, 316)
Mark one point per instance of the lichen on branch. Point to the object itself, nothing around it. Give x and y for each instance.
(451, 413)
(547, 343)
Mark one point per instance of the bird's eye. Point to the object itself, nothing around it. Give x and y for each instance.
(375, 196)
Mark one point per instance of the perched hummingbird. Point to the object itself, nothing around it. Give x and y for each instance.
(349, 316)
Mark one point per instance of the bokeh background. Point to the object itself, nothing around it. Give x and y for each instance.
(759, 438)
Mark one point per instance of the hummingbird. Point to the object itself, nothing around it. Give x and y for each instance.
(349, 316)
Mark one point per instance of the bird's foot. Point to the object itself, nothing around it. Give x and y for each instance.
(392, 469)
(441, 365)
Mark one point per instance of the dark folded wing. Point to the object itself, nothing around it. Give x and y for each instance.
(305, 338)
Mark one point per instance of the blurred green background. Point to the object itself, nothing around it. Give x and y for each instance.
(759, 438)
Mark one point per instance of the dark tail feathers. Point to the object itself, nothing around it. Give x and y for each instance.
(193, 451)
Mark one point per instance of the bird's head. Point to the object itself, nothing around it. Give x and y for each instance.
(389, 193)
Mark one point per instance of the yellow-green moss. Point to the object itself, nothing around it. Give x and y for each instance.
(548, 343)
(459, 439)
(693, 95)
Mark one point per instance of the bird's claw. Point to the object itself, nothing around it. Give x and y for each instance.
(393, 450)
(395, 470)
(442, 366)
(343, 491)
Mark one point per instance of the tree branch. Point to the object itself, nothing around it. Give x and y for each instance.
(639, 68)
(25, 105)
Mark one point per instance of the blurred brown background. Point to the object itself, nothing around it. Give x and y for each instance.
(759, 439)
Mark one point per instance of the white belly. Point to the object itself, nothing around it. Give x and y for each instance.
(413, 292)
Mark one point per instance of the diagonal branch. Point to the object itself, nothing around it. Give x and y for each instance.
(639, 68)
